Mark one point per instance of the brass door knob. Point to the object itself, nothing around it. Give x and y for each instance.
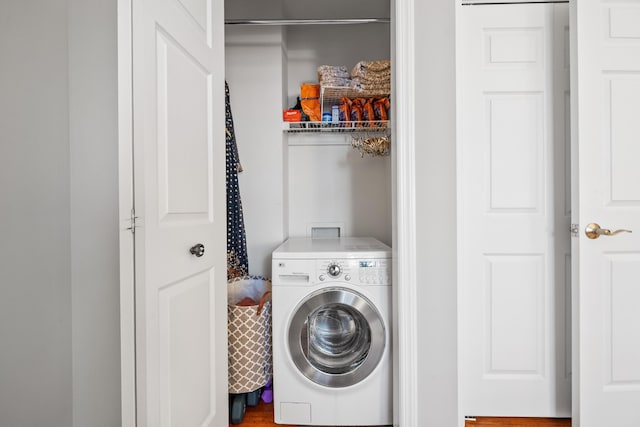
(593, 231)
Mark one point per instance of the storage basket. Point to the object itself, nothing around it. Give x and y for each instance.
(249, 333)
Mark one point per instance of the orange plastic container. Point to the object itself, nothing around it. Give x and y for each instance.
(292, 115)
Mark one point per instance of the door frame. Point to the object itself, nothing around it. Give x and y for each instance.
(405, 336)
(125, 211)
(405, 321)
(575, 215)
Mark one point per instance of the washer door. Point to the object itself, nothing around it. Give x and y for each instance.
(336, 337)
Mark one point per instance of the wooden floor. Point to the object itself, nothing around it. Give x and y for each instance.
(262, 416)
(518, 422)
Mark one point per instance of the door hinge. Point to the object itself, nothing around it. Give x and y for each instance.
(132, 222)
(574, 229)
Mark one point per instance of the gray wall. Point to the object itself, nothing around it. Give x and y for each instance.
(435, 158)
(94, 212)
(59, 279)
(35, 284)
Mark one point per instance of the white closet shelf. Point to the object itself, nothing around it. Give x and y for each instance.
(337, 127)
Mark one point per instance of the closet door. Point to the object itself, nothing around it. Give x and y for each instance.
(180, 238)
(607, 76)
(513, 234)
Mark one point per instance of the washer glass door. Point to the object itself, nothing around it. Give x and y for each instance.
(336, 337)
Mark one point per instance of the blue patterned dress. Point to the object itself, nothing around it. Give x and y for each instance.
(237, 261)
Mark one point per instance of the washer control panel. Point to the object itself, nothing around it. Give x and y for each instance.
(374, 271)
(363, 271)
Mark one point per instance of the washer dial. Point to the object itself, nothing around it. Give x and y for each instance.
(334, 269)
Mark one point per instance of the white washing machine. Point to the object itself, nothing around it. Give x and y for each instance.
(331, 305)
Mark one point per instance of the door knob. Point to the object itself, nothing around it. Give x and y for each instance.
(197, 250)
(593, 231)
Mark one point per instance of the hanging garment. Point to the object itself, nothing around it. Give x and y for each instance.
(237, 261)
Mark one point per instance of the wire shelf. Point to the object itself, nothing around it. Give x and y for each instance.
(337, 127)
(329, 96)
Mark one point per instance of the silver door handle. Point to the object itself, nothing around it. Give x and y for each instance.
(593, 231)
(197, 250)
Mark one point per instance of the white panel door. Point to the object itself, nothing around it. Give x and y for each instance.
(179, 163)
(513, 212)
(607, 297)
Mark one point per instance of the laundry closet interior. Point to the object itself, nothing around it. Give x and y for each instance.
(303, 183)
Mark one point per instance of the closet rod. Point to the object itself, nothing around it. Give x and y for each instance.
(307, 21)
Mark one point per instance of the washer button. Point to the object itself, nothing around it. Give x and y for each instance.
(347, 277)
(321, 277)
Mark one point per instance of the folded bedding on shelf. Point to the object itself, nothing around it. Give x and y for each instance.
(334, 75)
(335, 82)
(333, 70)
(369, 88)
(364, 68)
(372, 77)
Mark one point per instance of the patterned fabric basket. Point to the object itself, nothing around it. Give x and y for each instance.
(249, 333)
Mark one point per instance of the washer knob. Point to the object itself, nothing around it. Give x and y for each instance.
(334, 270)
